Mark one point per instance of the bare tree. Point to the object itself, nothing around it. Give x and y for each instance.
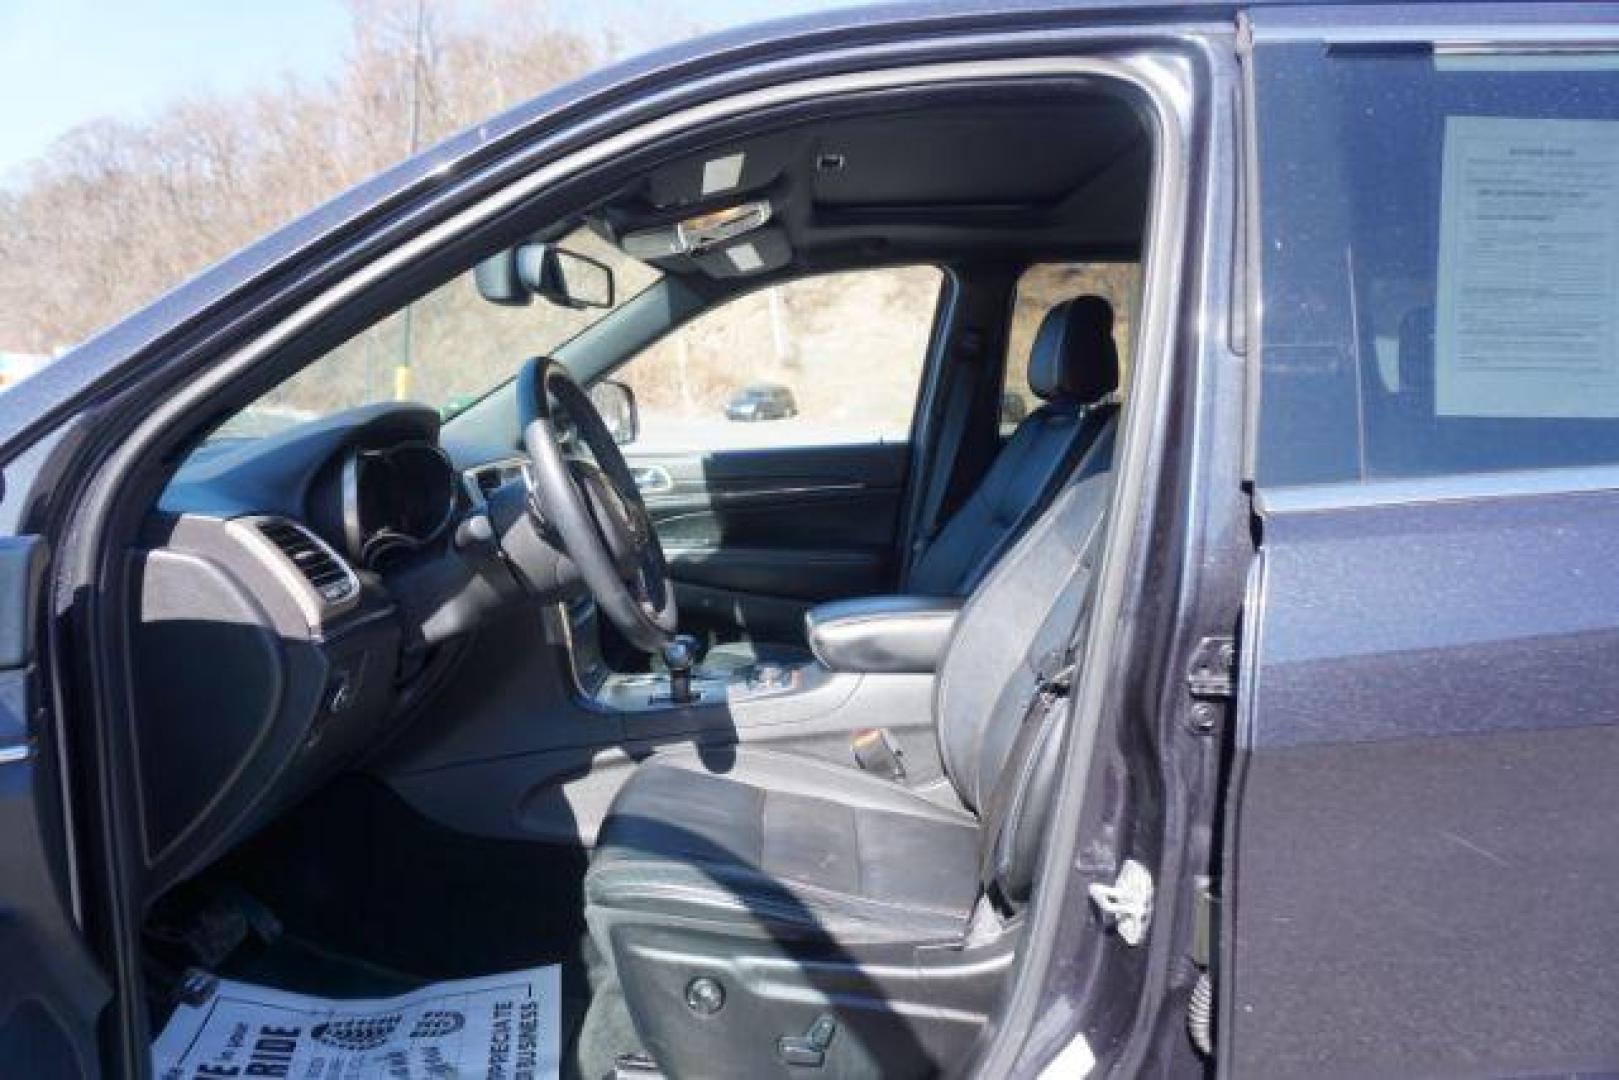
(115, 214)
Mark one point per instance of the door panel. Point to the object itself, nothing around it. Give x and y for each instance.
(1423, 861)
(754, 537)
(52, 992)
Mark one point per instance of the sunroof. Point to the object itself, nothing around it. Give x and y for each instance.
(1002, 156)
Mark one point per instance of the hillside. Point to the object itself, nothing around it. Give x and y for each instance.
(116, 214)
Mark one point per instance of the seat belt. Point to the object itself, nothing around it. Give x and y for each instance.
(953, 429)
(1009, 802)
(1023, 791)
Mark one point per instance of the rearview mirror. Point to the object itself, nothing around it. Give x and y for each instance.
(615, 402)
(565, 278)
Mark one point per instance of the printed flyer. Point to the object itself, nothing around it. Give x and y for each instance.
(500, 1026)
(1528, 306)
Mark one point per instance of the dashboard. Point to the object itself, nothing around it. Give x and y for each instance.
(298, 595)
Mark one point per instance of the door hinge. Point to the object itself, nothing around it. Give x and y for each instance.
(1126, 904)
(1212, 672)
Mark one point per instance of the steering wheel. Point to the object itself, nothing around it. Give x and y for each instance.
(593, 506)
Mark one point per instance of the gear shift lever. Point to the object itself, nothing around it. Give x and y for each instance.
(680, 654)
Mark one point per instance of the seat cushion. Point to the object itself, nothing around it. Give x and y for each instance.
(773, 845)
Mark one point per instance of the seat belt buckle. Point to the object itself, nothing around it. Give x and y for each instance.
(876, 752)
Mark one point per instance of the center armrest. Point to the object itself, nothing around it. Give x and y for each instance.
(882, 633)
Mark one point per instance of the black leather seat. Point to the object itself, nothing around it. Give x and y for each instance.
(790, 883)
(780, 846)
(1074, 370)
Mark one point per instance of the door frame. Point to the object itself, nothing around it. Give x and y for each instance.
(55, 990)
(109, 491)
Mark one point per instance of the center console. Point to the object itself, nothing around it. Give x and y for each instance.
(851, 639)
(655, 690)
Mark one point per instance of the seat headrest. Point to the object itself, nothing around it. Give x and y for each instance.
(1074, 357)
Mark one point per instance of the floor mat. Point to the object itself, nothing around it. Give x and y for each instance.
(498, 1025)
(292, 963)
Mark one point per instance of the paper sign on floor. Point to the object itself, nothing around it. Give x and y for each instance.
(500, 1026)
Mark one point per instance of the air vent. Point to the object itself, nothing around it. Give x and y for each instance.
(319, 565)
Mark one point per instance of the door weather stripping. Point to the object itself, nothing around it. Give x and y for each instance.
(1126, 904)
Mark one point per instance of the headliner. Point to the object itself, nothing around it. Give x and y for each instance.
(1008, 173)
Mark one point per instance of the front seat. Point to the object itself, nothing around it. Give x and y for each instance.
(1074, 370)
(763, 913)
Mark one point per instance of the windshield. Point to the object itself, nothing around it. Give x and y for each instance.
(446, 350)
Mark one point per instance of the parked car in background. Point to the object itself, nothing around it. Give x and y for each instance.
(761, 401)
(1255, 715)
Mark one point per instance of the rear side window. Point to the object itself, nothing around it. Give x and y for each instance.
(1041, 288)
(1439, 262)
(829, 360)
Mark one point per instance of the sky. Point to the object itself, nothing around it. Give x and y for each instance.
(65, 62)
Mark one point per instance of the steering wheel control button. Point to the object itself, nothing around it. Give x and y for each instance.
(705, 996)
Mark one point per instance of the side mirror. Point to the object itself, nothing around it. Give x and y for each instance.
(616, 403)
(565, 278)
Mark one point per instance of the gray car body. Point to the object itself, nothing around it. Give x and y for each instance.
(1420, 851)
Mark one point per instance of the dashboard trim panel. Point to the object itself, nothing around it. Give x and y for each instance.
(315, 608)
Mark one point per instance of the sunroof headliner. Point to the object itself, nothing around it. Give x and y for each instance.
(1006, 155)
(1006, 172)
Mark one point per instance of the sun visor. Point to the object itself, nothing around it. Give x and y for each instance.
(762, 251)
(717, 173)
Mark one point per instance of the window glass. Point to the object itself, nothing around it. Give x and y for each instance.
(1440, 262)
(1042, 288)
(445, 350)
(823, 360)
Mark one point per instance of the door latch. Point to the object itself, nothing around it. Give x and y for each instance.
(1212, 671)
(1126, 904)
(1211, 680)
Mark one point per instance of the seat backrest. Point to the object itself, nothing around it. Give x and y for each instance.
(1014, 624)
(1073, 368)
